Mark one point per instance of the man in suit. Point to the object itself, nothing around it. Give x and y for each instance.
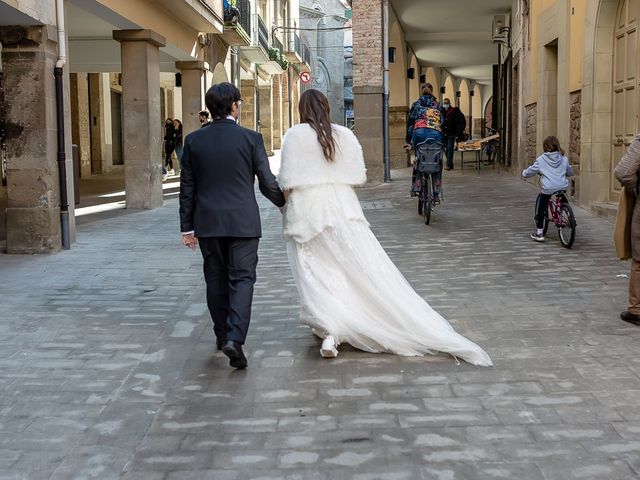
(218, 210)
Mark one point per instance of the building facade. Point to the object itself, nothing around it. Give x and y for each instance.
(125, 66)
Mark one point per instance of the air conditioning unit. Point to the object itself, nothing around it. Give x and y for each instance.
(498, 32)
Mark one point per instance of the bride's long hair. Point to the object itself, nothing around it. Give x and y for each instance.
(314, 110)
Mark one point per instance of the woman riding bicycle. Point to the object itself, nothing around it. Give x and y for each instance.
(425, 121)
(553, 168)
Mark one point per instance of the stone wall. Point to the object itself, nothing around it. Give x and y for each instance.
(397, 132)
(367, 84)
(575, 113)
(530, 133)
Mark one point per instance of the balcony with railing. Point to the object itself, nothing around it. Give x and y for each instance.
(257, 51)
(294, 48)
(278, 62)
(237, 31)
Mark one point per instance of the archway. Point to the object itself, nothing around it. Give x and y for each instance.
(449, 89)
(220, 74)
(597, 151)
(432, 78)
(398, 69)
(414, 85)
(464, 103)
(476, 108)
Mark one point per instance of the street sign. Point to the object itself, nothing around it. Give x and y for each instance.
(305, 77)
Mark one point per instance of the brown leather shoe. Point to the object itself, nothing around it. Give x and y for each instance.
(627, 316)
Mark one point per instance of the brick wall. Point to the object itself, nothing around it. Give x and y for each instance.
(367, 43)
(575, 112)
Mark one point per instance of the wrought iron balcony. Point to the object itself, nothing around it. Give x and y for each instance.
(294, 48)
(238, 33)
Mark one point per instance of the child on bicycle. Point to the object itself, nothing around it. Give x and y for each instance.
(554, 168)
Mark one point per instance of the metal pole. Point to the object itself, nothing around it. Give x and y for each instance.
(385, 95)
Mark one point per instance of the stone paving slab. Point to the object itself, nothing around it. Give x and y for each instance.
(108, 367)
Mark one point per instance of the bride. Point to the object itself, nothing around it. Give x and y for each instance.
(351, 291)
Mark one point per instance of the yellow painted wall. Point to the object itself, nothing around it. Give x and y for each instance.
(577, 16)
(149, 16)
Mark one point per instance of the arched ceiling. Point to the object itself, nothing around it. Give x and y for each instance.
(455, 35)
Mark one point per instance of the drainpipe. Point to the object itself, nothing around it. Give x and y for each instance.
(3, 144)
(62, 168)
(385, 83)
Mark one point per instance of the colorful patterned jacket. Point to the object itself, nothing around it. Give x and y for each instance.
(425, 113)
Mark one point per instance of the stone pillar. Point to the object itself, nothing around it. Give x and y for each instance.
(368, 84)
(286, 119)
(248, 108)
(266, 115)
(400, 158)
(277, 111)
(33, 204)
(192, 95)
(142, 132)
(80, 120)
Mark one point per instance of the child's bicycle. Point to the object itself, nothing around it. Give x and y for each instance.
(561, 214)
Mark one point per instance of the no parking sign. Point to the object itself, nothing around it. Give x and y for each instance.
(305, 77)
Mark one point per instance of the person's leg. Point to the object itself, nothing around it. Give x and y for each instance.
(542, 202)
(217, 279)
(634, 288)
(242, 259)
(450, 141)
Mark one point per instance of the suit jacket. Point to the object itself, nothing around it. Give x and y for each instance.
(217, 176)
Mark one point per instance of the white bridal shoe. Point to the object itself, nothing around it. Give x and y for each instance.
(328, 349)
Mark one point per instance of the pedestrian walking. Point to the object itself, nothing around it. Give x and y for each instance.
(169, 146)
(218, 211)
(454, 124)
(554, 168)
(203, 116)
(177, 125)
(627, 172)
(425, 121)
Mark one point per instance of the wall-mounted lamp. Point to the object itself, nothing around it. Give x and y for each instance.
(458, 94)
(471, 93)
(443, 90)
(392, 54)
(423, 78)
(411, 73)
(178, 79)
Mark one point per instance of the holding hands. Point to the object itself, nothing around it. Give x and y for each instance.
(189, 240)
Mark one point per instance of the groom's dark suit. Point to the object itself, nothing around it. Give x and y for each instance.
(218, 202)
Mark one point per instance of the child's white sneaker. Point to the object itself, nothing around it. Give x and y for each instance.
(328, 349)
(538, 237)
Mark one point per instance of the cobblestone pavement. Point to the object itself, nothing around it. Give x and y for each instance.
(108, 368)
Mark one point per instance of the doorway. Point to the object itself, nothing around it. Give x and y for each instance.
(624, 122)
(116, 128)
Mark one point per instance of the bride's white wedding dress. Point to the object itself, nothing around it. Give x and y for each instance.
(348, 286)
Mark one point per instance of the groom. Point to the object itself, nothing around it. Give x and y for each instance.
(218, 209)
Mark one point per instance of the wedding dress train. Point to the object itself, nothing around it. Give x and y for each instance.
(348, 286)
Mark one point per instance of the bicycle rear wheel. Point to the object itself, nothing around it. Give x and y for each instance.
(567, 227)
(427, 188)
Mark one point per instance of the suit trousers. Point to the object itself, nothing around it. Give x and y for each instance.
(230, 274)
(634, 288)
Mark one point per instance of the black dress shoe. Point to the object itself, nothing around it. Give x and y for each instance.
(627, 316)
(233, 350)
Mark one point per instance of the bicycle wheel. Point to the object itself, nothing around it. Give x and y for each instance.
(428, 199)
(567, 227)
